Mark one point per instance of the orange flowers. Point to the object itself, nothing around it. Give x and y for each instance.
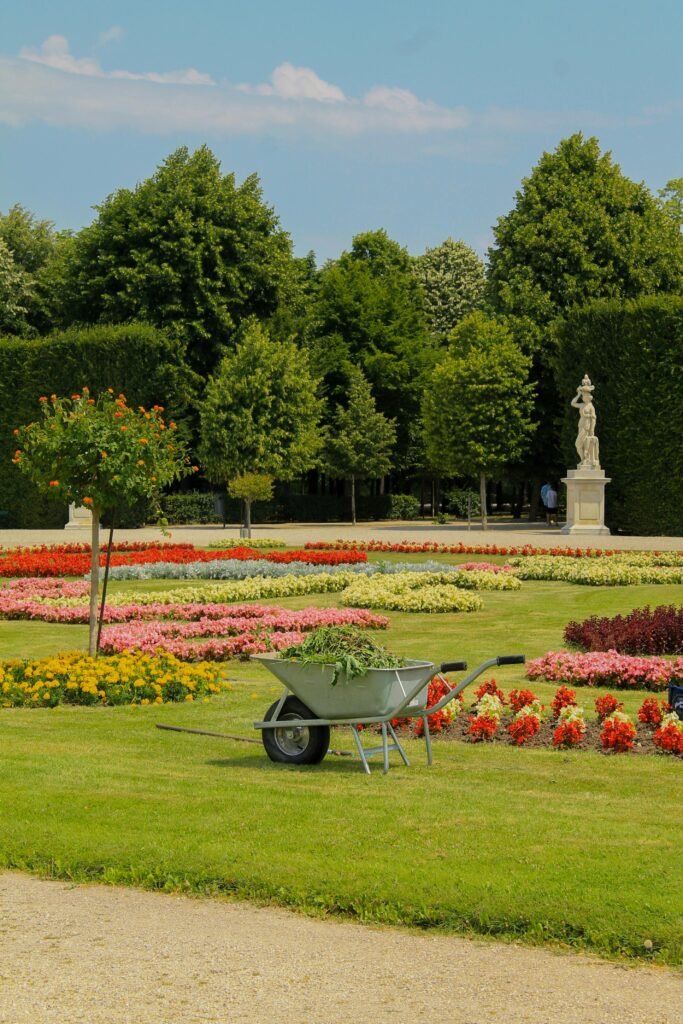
(87, 501)
(75, 398)
(43, 398)
(104, 455)
(143, 440)
(54, 483)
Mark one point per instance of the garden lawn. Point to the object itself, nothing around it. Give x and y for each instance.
(574, 848)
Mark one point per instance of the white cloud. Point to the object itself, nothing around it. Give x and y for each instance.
(54, 53)
(112, 35)
(53, 86)
(291, 83)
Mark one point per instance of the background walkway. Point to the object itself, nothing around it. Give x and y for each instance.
(298, 533)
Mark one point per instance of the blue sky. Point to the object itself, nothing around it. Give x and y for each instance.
(418, 117)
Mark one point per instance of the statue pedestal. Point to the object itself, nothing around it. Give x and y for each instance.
(585, 501)
(80, 518)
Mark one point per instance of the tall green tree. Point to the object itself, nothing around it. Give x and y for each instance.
(261, 411)
(477, 410)
(361, 439)
(453, 280)
(16, 293)
(370, 314)
(38, 252)
(188, 250)
(579, 230)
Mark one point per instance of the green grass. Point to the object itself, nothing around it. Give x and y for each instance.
(575, 849)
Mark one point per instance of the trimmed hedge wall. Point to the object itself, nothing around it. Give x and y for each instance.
(138, 360)
(200, 507)
(633, 353)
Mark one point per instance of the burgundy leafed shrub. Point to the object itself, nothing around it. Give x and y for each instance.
(644, 631)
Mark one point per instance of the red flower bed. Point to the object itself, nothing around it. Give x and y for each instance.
(520, 699)
(568, 734)
(606, 706)
(523, 728)
(652, 711)
(617, 735)
(491, 687)
(563, 698)
(62, 561)
(669, 739)
(482, 727)
(643, 631)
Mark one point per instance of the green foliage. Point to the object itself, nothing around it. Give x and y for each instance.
(370, 315)
(38, 253)
(189, 507)
(351, 650)
(260, 412)
(15, 293)
(477, 409)
(137, 360)
(453, 280)
(251, 487)
(460, 502)
(403, 506)
(581, 230)
(633, 353)
(188, 250)
(99, 452)
(361, 440)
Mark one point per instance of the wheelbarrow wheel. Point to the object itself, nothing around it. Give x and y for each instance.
(293, 743)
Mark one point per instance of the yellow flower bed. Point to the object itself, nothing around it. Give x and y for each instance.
(251, 589)
(411, 592)
(131, 678)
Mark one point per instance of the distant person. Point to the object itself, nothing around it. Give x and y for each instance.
(544, 494)
(551, 505)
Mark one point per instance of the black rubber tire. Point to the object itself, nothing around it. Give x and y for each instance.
(292, 745)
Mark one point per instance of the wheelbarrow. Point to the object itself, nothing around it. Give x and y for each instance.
(296, 728)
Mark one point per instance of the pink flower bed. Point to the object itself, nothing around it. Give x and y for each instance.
(233, 634)
(607, 668)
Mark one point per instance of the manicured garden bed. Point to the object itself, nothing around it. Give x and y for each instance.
(566, 846)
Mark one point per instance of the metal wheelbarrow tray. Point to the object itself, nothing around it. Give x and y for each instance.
(296, 728)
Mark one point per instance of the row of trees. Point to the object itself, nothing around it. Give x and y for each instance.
(460, 359)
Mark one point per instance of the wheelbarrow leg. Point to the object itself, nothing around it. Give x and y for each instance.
(398, 745)
(385, 747)
(361, 752)
(428, 738)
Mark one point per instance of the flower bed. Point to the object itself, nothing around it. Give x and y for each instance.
(60, 562)
(493, 718)
(412, 592)
(133, 678)
(623, 569)
(608, 669)
(643, 631)
(411, 547)
(233, 635)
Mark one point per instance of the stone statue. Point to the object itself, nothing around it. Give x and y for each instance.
(586, 442)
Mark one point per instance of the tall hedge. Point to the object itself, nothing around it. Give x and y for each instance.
(138, 360)
(633, 353)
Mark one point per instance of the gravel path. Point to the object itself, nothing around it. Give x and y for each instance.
(98, 955)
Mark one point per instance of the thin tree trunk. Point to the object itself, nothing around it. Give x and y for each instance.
(247, 517)
(482, 499)
(353, 500)
(94, 580)
(104, 585)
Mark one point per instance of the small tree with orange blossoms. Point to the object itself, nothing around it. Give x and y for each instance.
(100, 453)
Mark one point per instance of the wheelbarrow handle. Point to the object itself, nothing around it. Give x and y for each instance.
(453, 666)
(511, 659)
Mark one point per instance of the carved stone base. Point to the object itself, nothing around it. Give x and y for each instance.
(585, 501)
(80, 518)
